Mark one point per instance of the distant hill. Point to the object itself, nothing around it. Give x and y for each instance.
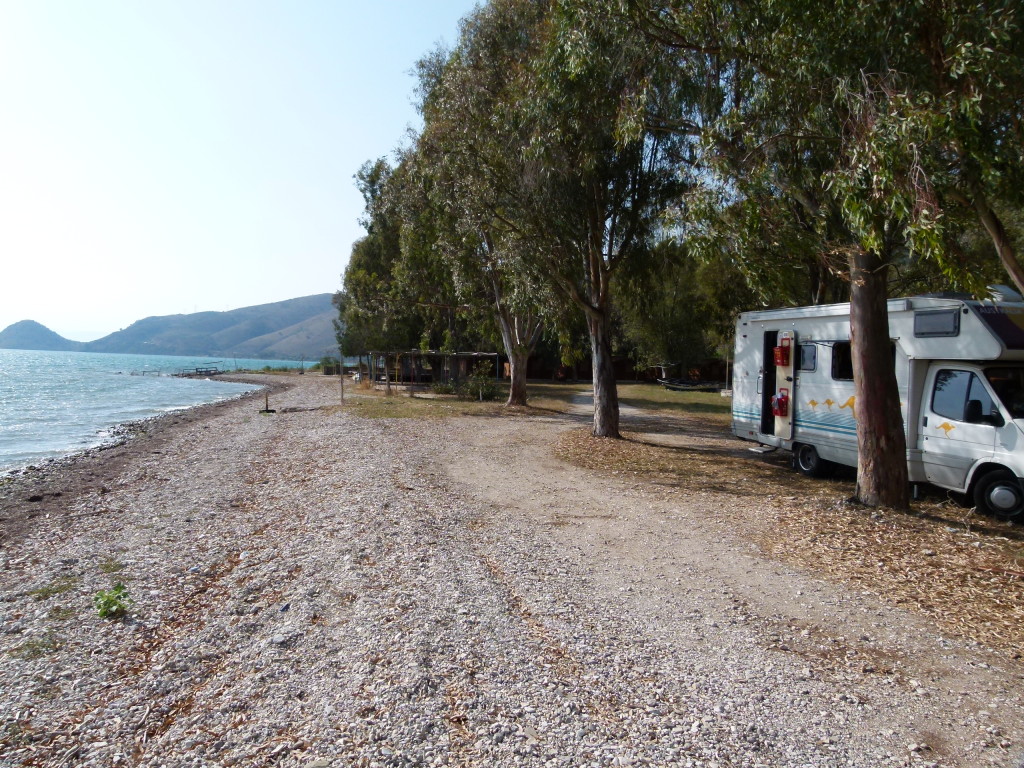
(289, 329)
(28, 334)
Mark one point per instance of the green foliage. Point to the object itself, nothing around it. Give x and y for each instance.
(113, 603)
(932, 140)
(327, 362)
(110, 565)
(480, 384)
(443, 388)
(565, 143)
(888, 132)
(467, 217)
(677, 310)
(58, 586)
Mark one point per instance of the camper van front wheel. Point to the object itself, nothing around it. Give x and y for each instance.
(999, 493)
(807, 460)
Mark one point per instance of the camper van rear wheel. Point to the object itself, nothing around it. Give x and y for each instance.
(807, 460)
(999, 493)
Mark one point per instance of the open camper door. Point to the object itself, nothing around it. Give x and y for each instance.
(776, 382)
(784, 359)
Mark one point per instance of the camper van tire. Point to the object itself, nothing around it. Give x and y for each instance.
(807, 461)
(999, 493)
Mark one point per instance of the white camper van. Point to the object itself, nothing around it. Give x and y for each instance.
(960, 371)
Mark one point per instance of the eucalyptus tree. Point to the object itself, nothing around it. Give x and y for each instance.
(372, 311)
(459, 263)
(921, 105)
(935, 132)
(543, 195)
(595, 188)
(805, 113)
(467, 167)
(770, 155)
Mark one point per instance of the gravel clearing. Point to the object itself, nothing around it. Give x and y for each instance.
(312, 588)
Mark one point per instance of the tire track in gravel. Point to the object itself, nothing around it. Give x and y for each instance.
(692, 588)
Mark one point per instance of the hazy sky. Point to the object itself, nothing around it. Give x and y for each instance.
(172, 156)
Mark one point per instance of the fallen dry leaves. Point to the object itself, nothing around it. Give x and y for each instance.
(962, 570)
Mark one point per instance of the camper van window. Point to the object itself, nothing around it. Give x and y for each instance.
(945, 322)
(987, 412)
(842, 362)
(808, 357)
(954, 390)
(950, 395)
(1008, 384)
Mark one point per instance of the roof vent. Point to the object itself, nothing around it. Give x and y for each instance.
(1003, 293)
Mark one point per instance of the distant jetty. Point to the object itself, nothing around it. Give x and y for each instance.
(201, 372)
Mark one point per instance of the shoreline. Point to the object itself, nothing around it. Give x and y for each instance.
(45, 488)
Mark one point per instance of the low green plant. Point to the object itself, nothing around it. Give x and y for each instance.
(112, 603)
(37, 647)
(110, 565)
(58, 586)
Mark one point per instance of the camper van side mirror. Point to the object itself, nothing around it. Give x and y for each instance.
(996, 417)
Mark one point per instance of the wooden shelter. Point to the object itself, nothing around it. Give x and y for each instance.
(417, 367)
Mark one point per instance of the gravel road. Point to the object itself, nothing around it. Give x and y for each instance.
(311, 588)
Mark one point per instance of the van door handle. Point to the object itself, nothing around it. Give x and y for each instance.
(924, 422)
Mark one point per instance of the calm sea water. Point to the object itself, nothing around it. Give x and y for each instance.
(56, 403)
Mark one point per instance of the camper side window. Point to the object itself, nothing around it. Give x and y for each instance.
(808, 357)
(842, 362)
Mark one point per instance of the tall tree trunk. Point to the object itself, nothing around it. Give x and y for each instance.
(519, 336)
(881, 441)
(606, 396)
(517, 378)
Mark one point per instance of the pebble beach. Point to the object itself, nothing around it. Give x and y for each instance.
(315, 588)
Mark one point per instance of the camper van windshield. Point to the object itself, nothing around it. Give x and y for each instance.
(1008, 383)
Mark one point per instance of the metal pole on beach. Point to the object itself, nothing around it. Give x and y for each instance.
(341, 374)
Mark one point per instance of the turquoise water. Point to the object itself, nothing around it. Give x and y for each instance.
(56, 403)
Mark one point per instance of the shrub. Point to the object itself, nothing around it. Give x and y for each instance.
(442, 388)
(480, 385)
